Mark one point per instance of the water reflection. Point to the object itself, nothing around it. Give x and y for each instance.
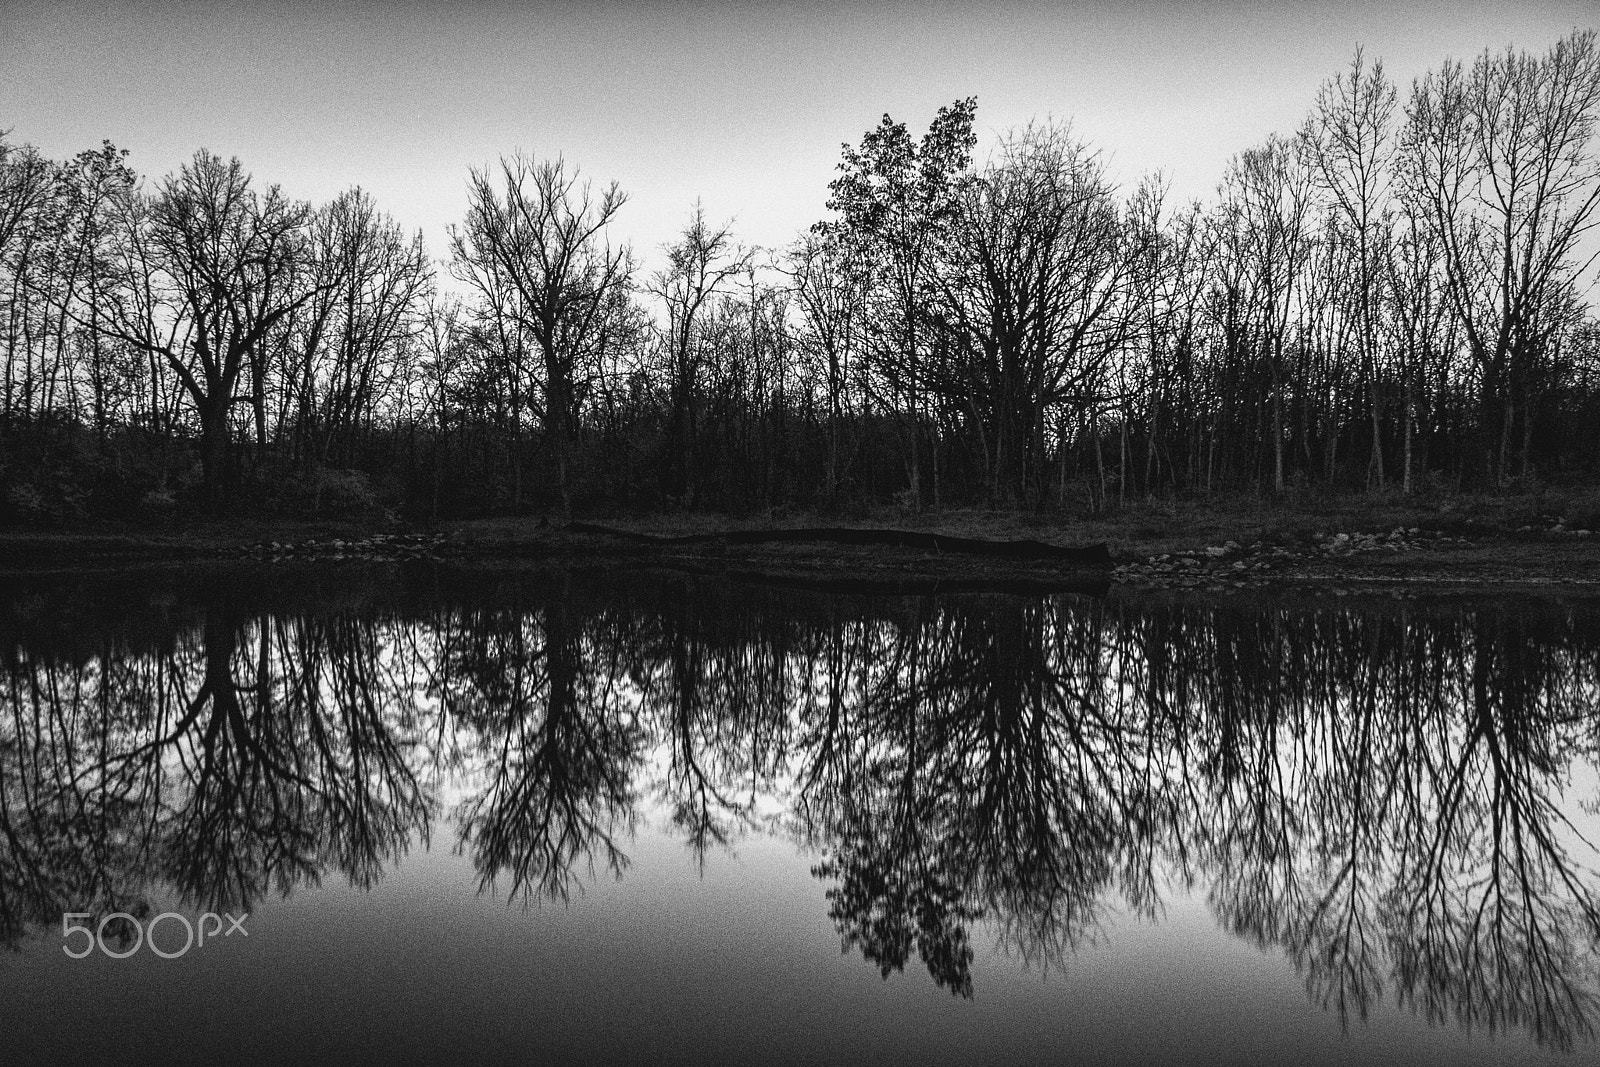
(1383, 791)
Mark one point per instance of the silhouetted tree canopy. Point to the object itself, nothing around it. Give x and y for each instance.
(1394, 294)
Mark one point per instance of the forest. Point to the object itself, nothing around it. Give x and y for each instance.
(1393, 298)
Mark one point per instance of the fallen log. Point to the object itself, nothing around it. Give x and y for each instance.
(1087, 555)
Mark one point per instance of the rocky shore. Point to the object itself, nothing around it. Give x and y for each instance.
(375, 546)
(1232, 564)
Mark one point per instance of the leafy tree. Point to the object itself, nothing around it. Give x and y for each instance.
(893, 199)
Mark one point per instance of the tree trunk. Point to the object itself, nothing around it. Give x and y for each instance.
(214, 451)
(1405, 473)
(1277, 439)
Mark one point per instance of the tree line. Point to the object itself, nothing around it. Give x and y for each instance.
(1392, 297)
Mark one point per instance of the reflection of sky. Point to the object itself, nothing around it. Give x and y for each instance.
(741, 103)
(735, 964)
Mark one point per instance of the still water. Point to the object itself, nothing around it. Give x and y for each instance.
(488, 815)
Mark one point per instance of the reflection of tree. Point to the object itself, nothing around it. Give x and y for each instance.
(1495, 922)
(242, 759)
(1393, 814)
(66, 837)
(1377, 791)
(1330, 774)
(718, 683)
(989, 784)
(294, 770)
(901, 886)
(559, 748)
(1018, 763)
(245, 821)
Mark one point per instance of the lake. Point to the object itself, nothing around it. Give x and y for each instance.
(511, 813)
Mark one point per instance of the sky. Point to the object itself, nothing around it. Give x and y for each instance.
(741, 104)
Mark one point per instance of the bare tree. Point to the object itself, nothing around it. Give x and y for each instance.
(698, 265)
(339, 349)
(536, 250)
(1350, 142)
(831, 288)
(211, 268)
(1265, 212)
(1499, 159)
(28, 209)
(1029, 283)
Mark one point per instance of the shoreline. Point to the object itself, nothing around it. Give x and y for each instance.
(1202, 548)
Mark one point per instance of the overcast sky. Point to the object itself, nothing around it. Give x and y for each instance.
(741, 104)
